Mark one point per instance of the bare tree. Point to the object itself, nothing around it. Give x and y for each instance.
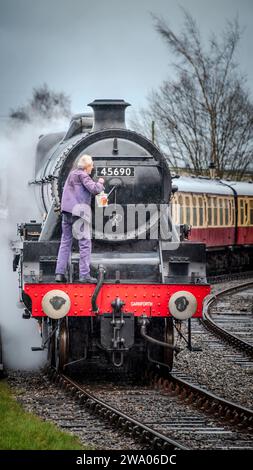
(45, 104)
(204, 118)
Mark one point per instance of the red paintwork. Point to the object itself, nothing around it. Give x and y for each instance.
(80, 296)
(245, 236)
(216, 236)
(222, 236)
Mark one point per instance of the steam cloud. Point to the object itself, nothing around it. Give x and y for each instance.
(17, 162)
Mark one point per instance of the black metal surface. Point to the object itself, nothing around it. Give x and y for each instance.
(126, 135)
(101, 275)
(45, 144)
(157, 342)
(109, 322)
(32, 251)
(109, 114)
(186, 252)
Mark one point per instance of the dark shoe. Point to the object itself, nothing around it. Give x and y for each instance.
(60, 278)
(88, 280)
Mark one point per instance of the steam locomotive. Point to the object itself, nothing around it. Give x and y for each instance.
(150, 277)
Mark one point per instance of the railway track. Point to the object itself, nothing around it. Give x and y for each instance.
(222, 365)
(228, 315)
(115, 417)
(166, 414)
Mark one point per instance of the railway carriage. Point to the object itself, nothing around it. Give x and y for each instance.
(219, 214)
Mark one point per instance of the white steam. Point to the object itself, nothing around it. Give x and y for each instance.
(17, 161)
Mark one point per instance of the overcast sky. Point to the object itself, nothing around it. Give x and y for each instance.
(100, 48)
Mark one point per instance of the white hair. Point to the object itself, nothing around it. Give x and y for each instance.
(84, 161)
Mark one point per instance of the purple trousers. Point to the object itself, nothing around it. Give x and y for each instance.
(66, 244)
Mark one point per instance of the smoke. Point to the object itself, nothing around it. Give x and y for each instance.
(17, 162)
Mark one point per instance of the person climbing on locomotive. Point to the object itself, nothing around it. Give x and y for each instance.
(77, 192)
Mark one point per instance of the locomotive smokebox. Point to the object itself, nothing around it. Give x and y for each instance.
(109, 114)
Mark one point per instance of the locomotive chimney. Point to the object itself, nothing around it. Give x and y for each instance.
(109, 114)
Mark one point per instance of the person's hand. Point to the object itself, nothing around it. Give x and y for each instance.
(101, 180)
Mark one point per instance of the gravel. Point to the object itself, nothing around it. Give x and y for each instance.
(210, 367)
(38, 395)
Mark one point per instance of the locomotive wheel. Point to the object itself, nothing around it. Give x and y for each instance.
(61, 344)
(163, 331)
(169, 338)
(51, 348)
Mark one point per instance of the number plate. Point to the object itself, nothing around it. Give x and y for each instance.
(115, 171)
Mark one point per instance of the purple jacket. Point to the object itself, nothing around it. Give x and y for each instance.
(78, 189)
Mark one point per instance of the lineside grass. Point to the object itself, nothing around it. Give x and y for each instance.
(20, 430)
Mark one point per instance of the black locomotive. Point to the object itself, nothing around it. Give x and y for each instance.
(147, 284)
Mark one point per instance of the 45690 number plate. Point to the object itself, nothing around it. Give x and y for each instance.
(115, 171)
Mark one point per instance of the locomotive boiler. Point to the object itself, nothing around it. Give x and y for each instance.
(150, 277)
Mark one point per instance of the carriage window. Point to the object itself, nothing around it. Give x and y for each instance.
(175, 208)
(194, 210)
(215, 211)
(201, 212)
(221, 211)
(232, 211)
(251, 211)
(209, 212)
(246, 213)
(241, 212)
(187, 210)
(226, 211)
(181, 203)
